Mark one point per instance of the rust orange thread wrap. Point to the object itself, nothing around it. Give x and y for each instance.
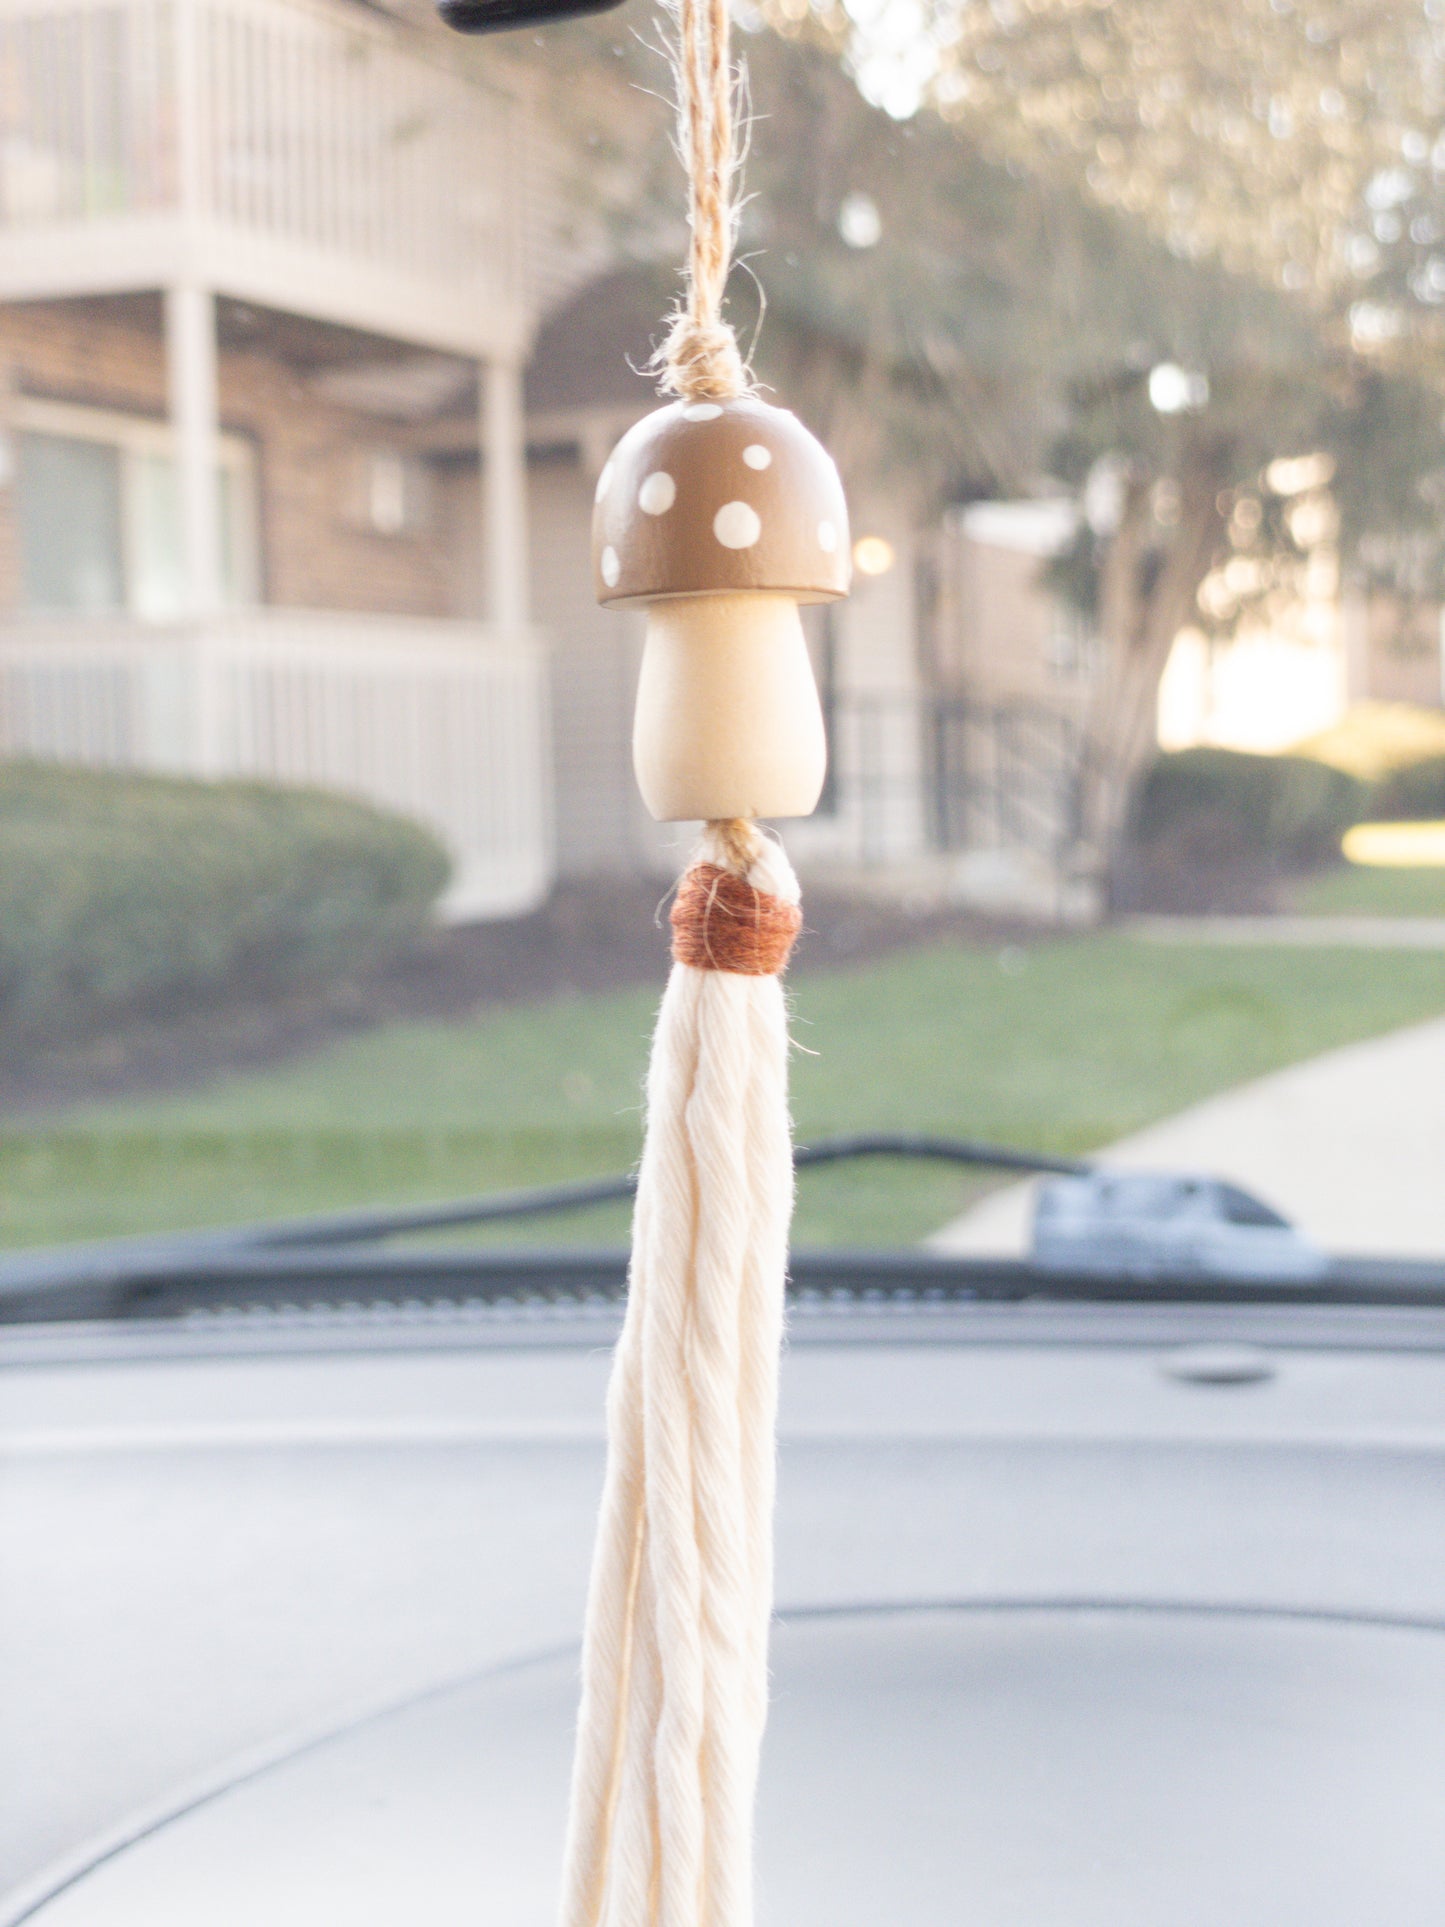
(719, 922)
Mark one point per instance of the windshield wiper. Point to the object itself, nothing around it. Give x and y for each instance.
(345, 1261)
(362, 1227)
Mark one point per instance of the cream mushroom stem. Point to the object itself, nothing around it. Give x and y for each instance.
(728, 722)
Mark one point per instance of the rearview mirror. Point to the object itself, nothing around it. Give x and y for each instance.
(498, 16)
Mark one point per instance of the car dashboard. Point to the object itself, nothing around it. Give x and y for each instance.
(1100, 1601)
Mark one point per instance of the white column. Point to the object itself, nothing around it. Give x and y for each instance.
(504, 493)
(191, 381)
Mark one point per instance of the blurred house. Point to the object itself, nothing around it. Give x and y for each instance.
(1013, 668)
(274, 499)
(248, 251)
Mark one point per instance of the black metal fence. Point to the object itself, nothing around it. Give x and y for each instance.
(962, 774)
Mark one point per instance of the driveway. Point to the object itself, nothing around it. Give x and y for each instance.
(1351, 1146)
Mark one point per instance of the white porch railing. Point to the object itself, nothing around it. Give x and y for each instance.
(297, 153)
(443, 721)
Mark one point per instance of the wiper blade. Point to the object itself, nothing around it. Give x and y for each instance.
(343, 1263)
(109, 1280)
(362, 1227)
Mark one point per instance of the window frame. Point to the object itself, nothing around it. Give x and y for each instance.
(136, 437)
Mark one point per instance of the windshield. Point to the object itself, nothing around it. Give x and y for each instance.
(325, 879)
(452, 586)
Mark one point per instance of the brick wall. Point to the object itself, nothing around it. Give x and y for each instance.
(111, 356)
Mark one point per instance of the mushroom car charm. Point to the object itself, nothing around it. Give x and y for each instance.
(721, 517)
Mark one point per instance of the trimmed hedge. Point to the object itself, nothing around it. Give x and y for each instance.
(1416, 793)
(124, 895)
(1287, 812)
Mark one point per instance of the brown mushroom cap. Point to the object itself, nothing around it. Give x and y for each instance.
(720, 498)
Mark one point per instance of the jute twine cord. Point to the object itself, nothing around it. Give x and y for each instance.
(674, 1663)
(699, 359)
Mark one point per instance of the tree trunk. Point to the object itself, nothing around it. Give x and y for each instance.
(1147, 594)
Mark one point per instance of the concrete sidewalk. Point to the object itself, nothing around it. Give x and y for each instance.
(1313, 933)
(1350, 1146)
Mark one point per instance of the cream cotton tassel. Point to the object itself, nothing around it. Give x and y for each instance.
(674, 1663)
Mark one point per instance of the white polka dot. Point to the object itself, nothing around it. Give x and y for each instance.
(736, 525)
(756, 456)
(827, 537)
(604, 480)
(701, 411)
(657, 494)
(611, 567)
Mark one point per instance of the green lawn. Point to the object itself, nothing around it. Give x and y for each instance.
(1357, 891)
(1063, 1045)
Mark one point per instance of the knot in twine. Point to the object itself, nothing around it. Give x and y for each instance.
(701, 360)
(720, 922)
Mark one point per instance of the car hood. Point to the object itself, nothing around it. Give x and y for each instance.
(1060, 1764)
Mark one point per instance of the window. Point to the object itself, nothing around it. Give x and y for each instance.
(100, 515)
(1071, 648)
(389, 492)
(70, 524)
